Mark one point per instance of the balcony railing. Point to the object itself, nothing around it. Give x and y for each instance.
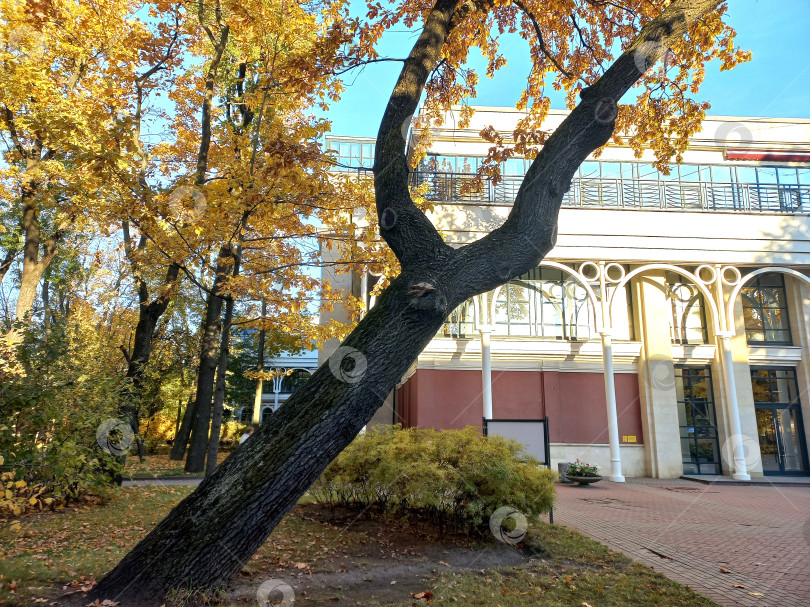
(630, 194)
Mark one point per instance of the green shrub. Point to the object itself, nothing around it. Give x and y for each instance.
(64, 387)
(455, 478)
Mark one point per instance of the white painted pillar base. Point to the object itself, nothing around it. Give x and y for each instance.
(486, 370)
(740, 468)
(613, 419)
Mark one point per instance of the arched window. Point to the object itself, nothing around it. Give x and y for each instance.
(291, 382)
(765, 310)
(687, 323)
(545, 302)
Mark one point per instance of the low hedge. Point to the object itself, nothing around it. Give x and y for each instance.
(455, 478)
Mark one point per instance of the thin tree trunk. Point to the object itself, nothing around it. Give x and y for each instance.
(257, 399)
(178, 451)
(179, 415)
(46, 314)
(11, 255)
(219, 392)
(212, 325)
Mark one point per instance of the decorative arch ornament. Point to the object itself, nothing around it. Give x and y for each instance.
(738, 286)
(577, 276)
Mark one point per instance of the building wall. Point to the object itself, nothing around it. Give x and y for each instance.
(574, 402)
(533, 377)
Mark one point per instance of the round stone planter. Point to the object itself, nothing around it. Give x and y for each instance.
(584, 480)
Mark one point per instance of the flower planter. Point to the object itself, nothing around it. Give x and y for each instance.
(584, 480)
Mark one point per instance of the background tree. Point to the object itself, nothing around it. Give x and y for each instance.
(234, 510)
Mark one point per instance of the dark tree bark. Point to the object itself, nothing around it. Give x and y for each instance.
(149, 312)
(219, 391)
(180, 442)
(222, 369)
(5, 264)
(212, 533)
(212, 325)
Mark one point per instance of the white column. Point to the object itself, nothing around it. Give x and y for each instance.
(277, 387)
(740, 469)
(612, 417)
(486, 369)
(610, 384)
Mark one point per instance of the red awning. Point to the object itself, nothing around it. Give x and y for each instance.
(767, 155)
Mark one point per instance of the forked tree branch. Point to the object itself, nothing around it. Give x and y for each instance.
(529, 231)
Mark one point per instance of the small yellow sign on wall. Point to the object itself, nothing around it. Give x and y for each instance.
(629, 438)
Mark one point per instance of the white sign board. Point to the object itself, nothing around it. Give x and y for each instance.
(529, 433)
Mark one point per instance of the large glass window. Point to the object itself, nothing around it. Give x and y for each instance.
(700, 447)
(765, 310)
(545, 302)
(687, 323)
(352, 154)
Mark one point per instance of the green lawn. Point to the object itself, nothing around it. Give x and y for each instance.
(159, 465)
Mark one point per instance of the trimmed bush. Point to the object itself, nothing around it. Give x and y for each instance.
(455, 478)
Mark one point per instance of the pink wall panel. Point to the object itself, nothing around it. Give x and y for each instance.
(574, 402)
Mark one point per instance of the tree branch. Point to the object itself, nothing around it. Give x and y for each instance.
(407, 231)
(529, 231)
(539, 35)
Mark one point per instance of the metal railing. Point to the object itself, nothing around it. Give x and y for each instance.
(629, 193)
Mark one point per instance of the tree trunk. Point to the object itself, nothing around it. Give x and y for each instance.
(219, 392)
(11, 255)
(181, 436)
(148, 314)
(46, 315)
(34, 261)
(179, 415)
(257, 399)
(212, 533)
(212, 325)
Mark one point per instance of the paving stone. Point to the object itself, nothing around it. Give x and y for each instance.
(689, 532)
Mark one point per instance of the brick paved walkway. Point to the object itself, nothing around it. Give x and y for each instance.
(689, 531)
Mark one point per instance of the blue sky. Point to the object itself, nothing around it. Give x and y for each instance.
(775, 83)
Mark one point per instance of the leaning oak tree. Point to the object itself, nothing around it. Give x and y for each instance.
(210, 535)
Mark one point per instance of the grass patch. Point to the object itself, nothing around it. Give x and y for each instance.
(68, 548)
(159, 465)
(56, 549)
(568, 569)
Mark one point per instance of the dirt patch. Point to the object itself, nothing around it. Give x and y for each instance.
(391, 562)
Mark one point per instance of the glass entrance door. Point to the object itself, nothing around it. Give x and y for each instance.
(779, 424)
(700, 446)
